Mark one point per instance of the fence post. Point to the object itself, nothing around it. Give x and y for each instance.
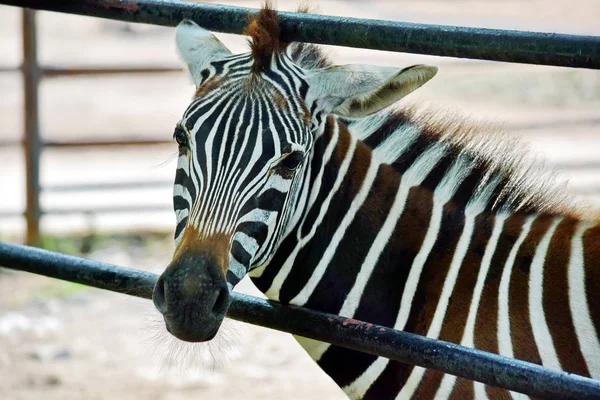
(32, 143)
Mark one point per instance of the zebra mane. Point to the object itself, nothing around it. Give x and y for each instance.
(526, 183)
(308, 55)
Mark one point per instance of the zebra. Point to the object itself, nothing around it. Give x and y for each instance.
(296, 172)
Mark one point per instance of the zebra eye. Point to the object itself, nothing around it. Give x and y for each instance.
(292, 161)
(180, 137)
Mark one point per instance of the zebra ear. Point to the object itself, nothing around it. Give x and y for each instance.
(355, 91)
(198, 47)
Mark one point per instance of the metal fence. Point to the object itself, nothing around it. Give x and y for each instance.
(32, 141)
(375, 339)
(486, 44)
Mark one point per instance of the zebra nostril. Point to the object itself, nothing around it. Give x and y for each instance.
(159, 296)
(221, 303)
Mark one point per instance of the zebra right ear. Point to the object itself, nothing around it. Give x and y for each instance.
(356, 91)
(198, 47)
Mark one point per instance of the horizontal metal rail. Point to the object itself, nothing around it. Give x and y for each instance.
(80, 187)
(52, 72)
(107, 142)
(405, 347)
(5, 69)
(11, 214)
(118, 209)
(451, 41)
(94, 143)
(134, 209)
(55, 72)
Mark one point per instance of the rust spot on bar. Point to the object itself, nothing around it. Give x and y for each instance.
(355, 322)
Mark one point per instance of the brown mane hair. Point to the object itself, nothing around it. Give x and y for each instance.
(265, 41)
(265, 37)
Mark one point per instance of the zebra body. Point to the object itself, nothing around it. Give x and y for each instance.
(291, 175)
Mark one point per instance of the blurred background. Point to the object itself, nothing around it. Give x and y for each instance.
(105, 189)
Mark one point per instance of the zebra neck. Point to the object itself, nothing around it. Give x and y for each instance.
(337, 171)
(359, 213)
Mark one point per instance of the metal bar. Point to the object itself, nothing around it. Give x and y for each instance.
(440, 40)
(33, 146)
(52, 72)
(11, 214)
(11, 143)
(5, 69)
(79, 270)
(405, 347)
(93, 143)
(135, 209)
(96, 210)
(76, 187)
(108, 142)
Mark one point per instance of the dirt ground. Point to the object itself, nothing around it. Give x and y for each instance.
(64, 341)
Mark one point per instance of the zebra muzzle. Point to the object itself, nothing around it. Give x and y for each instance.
(193, 297)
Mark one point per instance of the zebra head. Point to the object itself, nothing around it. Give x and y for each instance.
(245, 153)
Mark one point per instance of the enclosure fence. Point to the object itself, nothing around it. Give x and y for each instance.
(375, 339)
(33, 144)
(486, 44)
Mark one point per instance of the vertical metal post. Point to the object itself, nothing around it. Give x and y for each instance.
(32, 143)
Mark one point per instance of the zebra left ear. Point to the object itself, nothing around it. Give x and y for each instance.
(356, 91)
(198, 47)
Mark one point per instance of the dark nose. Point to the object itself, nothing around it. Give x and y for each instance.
(215, 300)
(193, 297)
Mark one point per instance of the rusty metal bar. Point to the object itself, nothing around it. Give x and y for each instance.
(374, 339)
(52, 72)
(450, 41)
(31, 81)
